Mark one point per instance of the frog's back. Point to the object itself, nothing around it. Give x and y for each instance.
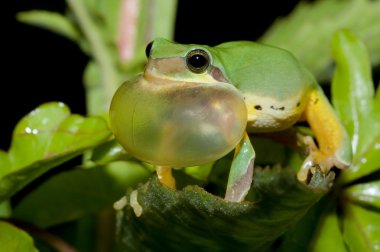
(274, 84)
(263, 69)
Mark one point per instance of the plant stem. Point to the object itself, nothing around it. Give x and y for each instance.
(98, 48)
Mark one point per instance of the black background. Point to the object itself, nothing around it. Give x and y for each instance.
(41, 66)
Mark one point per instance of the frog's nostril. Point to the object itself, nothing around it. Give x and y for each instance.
(258, 107)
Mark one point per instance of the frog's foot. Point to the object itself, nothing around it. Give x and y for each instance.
(315, 160)
(164, 174)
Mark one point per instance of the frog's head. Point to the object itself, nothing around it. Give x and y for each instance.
(181, 111)
(184, 63)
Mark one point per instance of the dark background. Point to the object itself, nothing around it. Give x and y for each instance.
(41, 66)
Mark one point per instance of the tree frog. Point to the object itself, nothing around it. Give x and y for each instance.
(193, 104)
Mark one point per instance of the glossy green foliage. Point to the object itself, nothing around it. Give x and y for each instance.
(208, 223)
(308, 30)
(81, 192)
(366, 194)
(14, 239)
(354, 100)
(45, 138)
(348, 219)
(361, 228)
(328, 234)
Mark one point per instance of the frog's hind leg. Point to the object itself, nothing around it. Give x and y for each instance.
(241, 172)
(164, 174)
(334, 146)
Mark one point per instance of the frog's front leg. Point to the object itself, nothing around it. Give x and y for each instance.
(241, 172)
(334, 146)
(164, 174)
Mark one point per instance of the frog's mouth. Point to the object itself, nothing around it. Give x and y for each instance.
(178, 122)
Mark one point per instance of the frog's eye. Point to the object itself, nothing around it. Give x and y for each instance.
(148, 49)
(197, 61)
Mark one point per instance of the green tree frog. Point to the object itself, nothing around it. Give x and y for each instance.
(194, 104)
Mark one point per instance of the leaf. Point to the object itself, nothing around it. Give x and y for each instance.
(352, 88)
(45, 138)
(108, 152)
(5, 209)
(366, 194)
(70, 195)
(52, 21)
(353, 99)
(316, 22)
(328, 236)
(368, 163)
(208, 223)
(361, 228)
(377, 99)
(5, 163)
(13, 239)
(299, 237)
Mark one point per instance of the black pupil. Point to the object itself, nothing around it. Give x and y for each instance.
(148, 49)
(197, 61)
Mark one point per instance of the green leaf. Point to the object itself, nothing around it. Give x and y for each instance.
(5, 163)
(207, 222)
(299, 237)
(366, 164)
(352, 87)
(361, 228)
(328, 236)
(108, 152)
(13, 239)
(52, 21)
(377, 99)
(70, 195)
(45, 138)
(367, 194)
(5, 209)
(353, 98)
(316, 22)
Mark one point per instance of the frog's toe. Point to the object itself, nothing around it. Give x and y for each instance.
(304, 172)
(315, 160)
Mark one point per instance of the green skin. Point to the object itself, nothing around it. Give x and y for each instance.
(266, 89)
